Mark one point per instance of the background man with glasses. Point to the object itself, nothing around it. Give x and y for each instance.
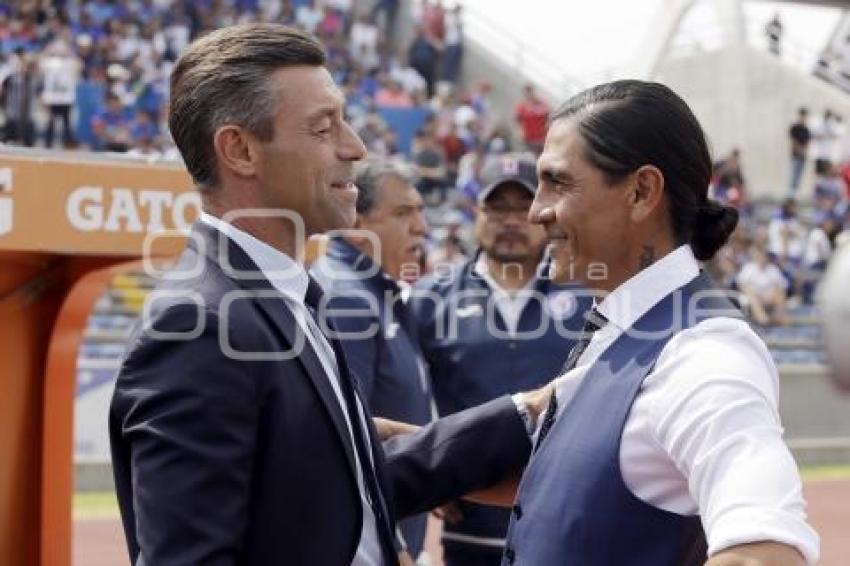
(493, 326)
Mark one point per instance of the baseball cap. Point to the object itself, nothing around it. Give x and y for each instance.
(519, 168)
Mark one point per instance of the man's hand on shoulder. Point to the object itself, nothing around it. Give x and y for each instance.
(532, 404)
(538, 400)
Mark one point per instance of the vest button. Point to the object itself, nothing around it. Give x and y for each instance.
(510, 555)
(512, 345)
(517, 509)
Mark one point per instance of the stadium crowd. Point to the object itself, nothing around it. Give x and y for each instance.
(780, 252)
(93, 74)
(100, 68)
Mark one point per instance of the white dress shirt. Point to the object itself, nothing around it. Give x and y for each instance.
(786, 237)
(509, 303)
(764, 280)
(290, 279)
(703, 435)
(818, 248)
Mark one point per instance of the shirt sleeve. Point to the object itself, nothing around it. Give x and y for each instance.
(719, 422)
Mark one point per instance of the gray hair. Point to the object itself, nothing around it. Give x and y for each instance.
(223, 78)
(370, 173)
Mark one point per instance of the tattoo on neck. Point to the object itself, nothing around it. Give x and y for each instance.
(647, 257)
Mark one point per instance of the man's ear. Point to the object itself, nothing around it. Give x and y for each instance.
(647, 192)
(236, 150)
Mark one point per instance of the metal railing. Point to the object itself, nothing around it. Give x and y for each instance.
(795, 51)
(529, 63)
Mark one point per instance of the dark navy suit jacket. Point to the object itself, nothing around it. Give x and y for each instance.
(225, 461)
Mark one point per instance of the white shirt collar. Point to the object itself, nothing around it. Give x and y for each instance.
(482, 269)
(632, 299)
(285, 274)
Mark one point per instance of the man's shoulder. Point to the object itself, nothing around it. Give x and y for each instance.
(719, 348)
(338, 277)
(349, 292)
(327, 266)
(197, 291)
(443, 279)
(193, 275)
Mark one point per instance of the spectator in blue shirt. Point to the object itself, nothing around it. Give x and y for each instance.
(112, 126)
(143, 127)
(100, 12)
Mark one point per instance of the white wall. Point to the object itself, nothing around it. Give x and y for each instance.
(745, 98)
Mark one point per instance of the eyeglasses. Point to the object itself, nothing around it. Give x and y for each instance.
(502, 212)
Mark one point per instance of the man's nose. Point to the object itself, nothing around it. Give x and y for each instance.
(537, 206)
(516, 218)
(351, 147)
(420, 225)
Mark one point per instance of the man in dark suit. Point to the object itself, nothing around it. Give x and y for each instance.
(237, 433)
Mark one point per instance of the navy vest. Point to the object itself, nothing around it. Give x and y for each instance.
(573, 507)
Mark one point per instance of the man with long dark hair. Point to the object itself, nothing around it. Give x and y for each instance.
(662, 443)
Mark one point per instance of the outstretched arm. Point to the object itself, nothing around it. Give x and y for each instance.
(456, 455)
(463, 454)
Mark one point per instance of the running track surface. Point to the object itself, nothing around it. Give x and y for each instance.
(100, 542)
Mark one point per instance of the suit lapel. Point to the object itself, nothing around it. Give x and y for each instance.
(271, 304)
(287, 325)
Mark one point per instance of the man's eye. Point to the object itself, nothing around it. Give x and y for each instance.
(559, 185)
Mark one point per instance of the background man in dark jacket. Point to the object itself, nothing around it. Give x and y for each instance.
(492, 326)
(360, 274)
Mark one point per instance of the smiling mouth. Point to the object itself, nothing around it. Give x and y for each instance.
(512, 238)
(344, 185)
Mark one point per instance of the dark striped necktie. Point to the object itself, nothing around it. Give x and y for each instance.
(593, 321)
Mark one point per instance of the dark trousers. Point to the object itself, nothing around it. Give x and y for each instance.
(797, 163)
(458, 554)
(428, 70)
(389, 8)
(63, 113)
(452, 57)
(19, 130)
